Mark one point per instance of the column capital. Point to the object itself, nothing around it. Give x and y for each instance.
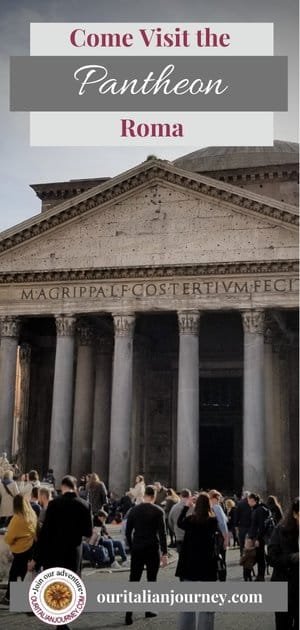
(124, 325)
(9, 326)
(253, 321)
(188, 322)
(86, 335)
(65, 325)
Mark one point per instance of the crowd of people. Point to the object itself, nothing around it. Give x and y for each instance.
(45, 528)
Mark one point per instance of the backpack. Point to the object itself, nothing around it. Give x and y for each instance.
(269, 525)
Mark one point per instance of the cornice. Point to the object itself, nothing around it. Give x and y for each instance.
(149, 172)
(256, 175)
(115, 273)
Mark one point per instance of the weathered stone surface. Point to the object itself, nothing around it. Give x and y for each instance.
(155, 226)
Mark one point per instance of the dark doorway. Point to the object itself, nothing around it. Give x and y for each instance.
(216, 457)
(220, 443)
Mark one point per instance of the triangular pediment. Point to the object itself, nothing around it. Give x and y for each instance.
(153, 214)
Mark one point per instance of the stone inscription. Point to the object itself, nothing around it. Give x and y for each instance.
(151, 289)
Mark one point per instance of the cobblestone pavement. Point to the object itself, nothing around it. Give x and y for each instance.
(164, 621)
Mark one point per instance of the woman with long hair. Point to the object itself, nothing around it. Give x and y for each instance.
(274, 506)
(20, 537)
(230, 513)
(283, 553)
(171, 499)
(197, 558)
(96, 493)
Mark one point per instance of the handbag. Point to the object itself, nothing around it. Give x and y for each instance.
(221, 569)
(221, 564)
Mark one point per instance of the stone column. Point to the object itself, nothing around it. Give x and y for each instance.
(9, 330)
(254, 455)
(188, 401)
(138, 425)
(269, 411)
(83, 404)
(22, 427)
(62, 401)
(276, 438)
(102, 398)
(285, 463)
(121, 404)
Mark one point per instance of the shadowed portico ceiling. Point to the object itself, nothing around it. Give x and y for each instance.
(140, 177)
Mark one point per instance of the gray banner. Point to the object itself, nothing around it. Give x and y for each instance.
(187, 596)
(202, 84)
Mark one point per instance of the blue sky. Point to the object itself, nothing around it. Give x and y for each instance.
(21, 165)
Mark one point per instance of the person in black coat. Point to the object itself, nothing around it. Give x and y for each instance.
(68, 519)
(242, 520)
(197, 558)
(147, 540)
(283, 554)
(256, 532)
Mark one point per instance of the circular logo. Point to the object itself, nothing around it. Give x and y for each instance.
(57, 596)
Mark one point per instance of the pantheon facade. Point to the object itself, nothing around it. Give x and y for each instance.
(149, 324)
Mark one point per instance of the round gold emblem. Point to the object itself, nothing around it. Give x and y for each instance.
(58, 595)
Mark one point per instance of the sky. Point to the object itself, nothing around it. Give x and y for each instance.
(22, 165)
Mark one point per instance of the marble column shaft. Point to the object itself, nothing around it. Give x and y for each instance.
(270, 436)
(284, 428)
(83, 404)
(62, 402)
(9, 331)
(188, 401)
(25, 365)
(254, 452)
(121, 405)
(102, 398)
(276, 442)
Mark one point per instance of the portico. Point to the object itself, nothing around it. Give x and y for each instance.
(161, 409)
(164, 367)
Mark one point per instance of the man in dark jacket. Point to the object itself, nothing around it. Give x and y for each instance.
(256, 532)
(283, 552)
(67, 520)
(146, 535)
(242, 519)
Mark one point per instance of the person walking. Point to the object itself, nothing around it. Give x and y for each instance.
(197, 558)
(230, 513)
(146, 537)
(242, 520)
(20, 537)
(161, 493)
(283, 554)
(45, 495)
(259, 515)
(96, 493)
(174, 515)
(171, 500)
(215, 498)
(30, 480)
(67, 520)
